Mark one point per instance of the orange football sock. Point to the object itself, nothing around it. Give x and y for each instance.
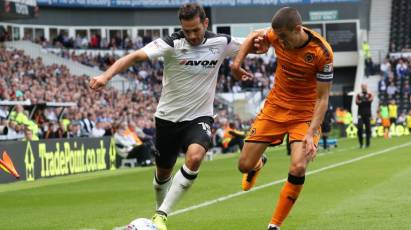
(288, 195)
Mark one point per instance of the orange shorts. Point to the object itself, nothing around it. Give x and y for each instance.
(386, 123)
(267, 129)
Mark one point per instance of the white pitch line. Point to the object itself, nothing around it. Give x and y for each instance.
(332, 166)
(210, 202)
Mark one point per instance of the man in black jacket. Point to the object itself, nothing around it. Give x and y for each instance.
(364, 100)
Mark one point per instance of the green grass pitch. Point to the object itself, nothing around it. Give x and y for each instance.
(346, 188)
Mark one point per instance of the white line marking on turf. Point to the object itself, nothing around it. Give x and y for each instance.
(210, 202)
(224, 198)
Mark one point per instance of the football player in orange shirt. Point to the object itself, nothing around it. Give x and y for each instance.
(296, 104)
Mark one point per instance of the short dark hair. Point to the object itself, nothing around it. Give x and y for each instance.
(191, 10)
(286, 17)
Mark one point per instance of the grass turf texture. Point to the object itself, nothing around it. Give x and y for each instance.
(372, 193)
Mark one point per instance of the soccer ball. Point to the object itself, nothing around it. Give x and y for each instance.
(141, 224)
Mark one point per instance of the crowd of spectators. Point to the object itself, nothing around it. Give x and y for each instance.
(95, 42)
(96, 113)
(394, 93)
(139, 75)
(103, 113)
(263, 66)
(394, 84)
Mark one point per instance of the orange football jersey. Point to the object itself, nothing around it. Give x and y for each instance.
(297, 73)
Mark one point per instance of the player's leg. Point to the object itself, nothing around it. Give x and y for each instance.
(292, 187)
(296, 174)
(184, 178)
(250, 163)
(263, 133)
(161, 183)
(251, 155)
(196, 141)
(167, 146)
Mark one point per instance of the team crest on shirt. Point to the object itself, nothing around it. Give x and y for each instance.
(309, 57)
(213, 50)
(252, 132)
(328, 68)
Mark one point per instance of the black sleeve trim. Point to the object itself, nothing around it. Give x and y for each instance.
(228, 38)
(324, 80)
(209, 34)
(325, 73)
(170, 39)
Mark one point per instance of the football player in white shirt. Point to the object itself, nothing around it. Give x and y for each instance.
(192, 58)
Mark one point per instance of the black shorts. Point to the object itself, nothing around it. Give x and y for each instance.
(174, 137)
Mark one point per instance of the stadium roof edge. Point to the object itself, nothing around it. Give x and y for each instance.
(175, 3)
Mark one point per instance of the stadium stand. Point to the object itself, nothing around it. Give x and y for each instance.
(400, 26)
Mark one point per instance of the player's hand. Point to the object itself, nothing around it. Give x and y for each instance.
(308, 147)
(98, 82)
(240, 73)
(261, 45)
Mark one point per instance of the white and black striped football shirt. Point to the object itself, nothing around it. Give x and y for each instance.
(190, 73)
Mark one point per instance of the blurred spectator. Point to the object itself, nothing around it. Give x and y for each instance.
(408, 121)
(339, 117)
(393, 112)
(382, 86)
(391, 90)
(401, 69)
(385, 68)
(385, 118)
(88, 124)
(73, 130)
(98, 130)
(366, 49)
(233, 139)
(29, 136)
(51, 130)
(369, 65)
(129, 146)
(401, 120)
(325, 127)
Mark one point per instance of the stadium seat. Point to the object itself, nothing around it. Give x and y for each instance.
(400, 28)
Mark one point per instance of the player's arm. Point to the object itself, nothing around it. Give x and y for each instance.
(324, 77)
(254, 43)
(119, 66)
(321, 105)
(320, 108)
(155, 49)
